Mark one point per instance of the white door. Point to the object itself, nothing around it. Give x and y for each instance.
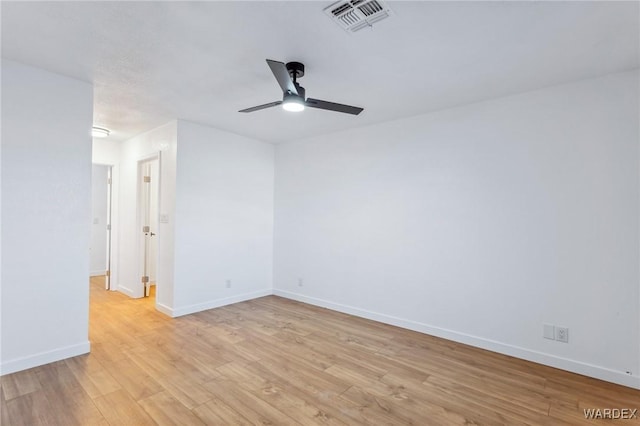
(153, 221)
(107, 280)
(148, 209)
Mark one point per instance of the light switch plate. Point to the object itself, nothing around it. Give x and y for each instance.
(549, 332)
(164, 218)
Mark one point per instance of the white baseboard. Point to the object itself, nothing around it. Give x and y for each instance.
(190, 309)
(164, 309)
(125, 290)
(19, 364)
(573, 366)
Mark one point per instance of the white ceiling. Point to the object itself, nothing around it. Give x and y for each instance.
(151, 62)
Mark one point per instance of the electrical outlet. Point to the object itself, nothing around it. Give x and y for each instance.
(300, 282)
(549, 332)
(562, 334)
(228, 283)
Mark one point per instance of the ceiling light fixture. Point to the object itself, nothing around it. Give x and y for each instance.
(293, 103)
(99, 132)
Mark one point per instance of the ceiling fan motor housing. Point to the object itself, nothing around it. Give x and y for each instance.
(291, 96)
(301, 92)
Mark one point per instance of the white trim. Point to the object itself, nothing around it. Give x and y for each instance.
(190, 309)
(566, 364)
(637, 366)
(42, 358)
(126, 291)
(164, 309)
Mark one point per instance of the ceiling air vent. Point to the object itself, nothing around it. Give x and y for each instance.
(354, 15)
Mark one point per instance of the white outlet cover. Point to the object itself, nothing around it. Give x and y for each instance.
(562, 334)
(549, 332)
(164, 218)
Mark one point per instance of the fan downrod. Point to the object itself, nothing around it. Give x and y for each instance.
(296, 70)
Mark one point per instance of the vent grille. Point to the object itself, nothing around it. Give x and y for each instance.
(370, 8)
(341, 9)
(354, 15)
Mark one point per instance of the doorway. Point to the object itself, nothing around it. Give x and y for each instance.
(100, 238)
(148, 215)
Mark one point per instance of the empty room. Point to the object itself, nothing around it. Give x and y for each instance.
(363, 212)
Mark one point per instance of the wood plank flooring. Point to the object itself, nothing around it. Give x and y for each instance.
(273, 361)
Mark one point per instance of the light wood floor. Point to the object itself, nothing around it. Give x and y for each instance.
(278, 362)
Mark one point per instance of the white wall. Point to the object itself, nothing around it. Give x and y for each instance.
(99, 203)
(162, 141)
(479, 224)
(46, 199)
(224, 218)
(105, 151)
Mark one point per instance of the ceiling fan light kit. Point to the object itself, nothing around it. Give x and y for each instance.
(293, 95)
(292, 103)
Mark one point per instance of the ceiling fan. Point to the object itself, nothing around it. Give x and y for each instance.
(293, 95)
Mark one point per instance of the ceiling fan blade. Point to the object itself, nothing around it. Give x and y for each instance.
(332, 106)
(281, 74)
(259, 107)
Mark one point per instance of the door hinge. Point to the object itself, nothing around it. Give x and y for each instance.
(108, 273)
(109, 227)
(145, 229)
(145, 279)
(109, 181)
(147, 179)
